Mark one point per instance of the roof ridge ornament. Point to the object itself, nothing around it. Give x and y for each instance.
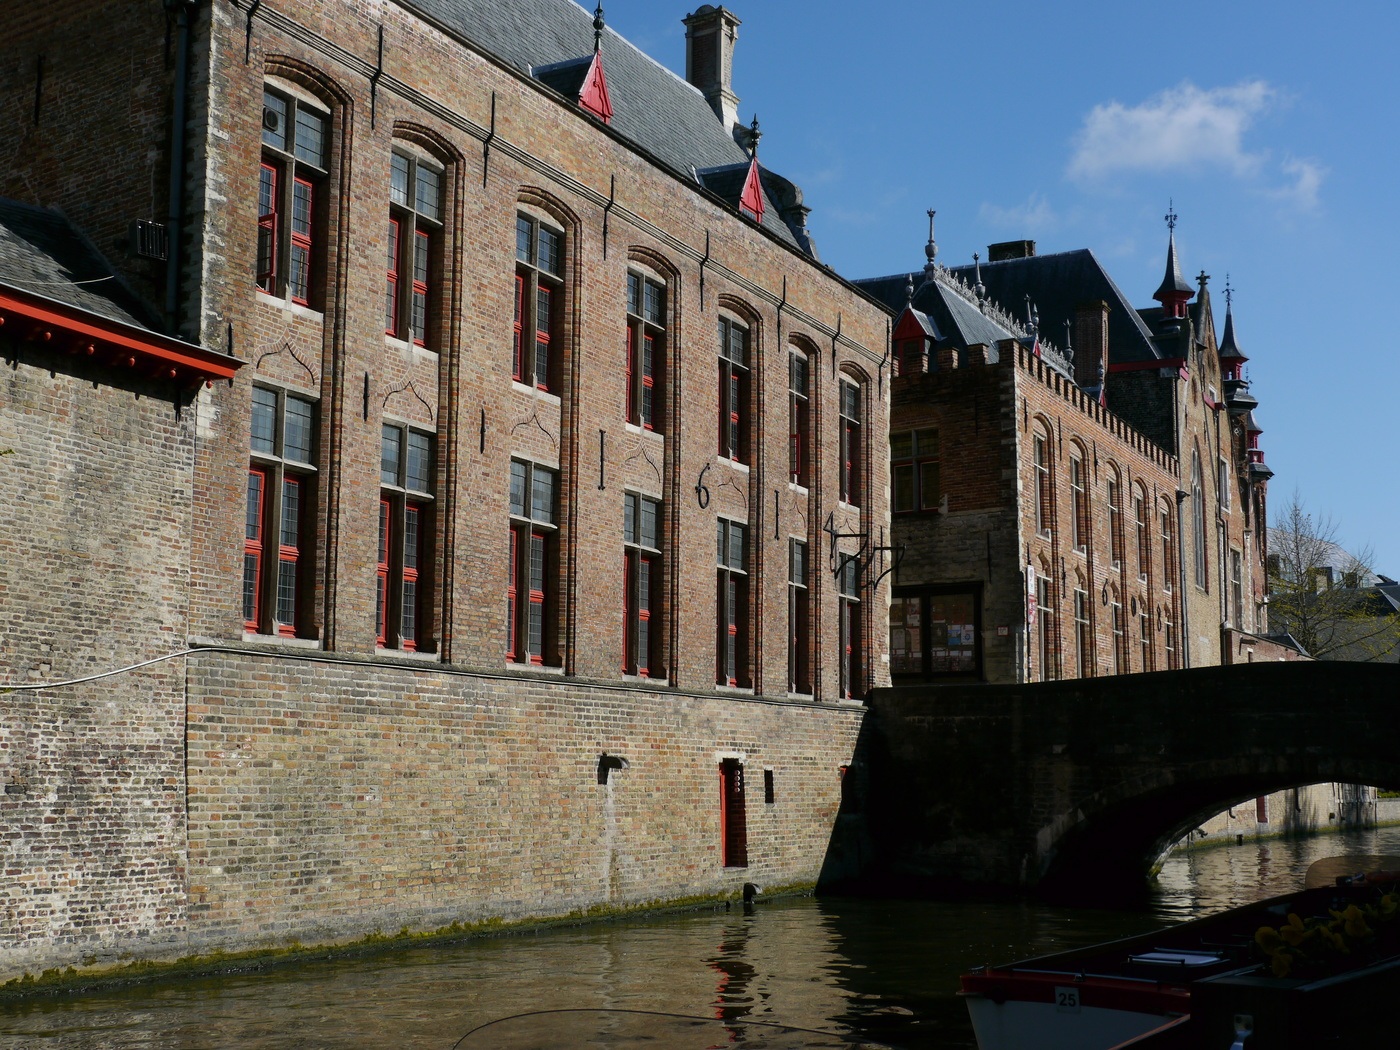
(978, 289)
(1069, 343)
(909, 290)
(930, 249)
(754, 135)
(598, 24)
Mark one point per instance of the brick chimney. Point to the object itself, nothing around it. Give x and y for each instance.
(710, 34)
(1090, 343)
(1003, 250)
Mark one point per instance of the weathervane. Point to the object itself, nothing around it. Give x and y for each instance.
(1171, 215)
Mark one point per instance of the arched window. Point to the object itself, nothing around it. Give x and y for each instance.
(539, 300)
(1144, 541)
(413, 297)
(735, 411)
(1044, 492)
(648, 326)
(852, 452)
(293, 195)
(1079, 497)
(1115, 518)
(799, 415)
(1169, 552)
(1198, 524)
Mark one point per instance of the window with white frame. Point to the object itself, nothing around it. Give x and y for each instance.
(641, 584)
(539, 294)
(646, 350)
(532, 601)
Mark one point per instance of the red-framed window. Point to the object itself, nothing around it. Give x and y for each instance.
(403, 603)
(733, 817)
(914, 469)
(531, 589)
(734, 422)
(646, 350)
(291, 198)
(253, 548)
(852, 444)
(799, 417)
(415, 234)
(277, 579)
(732, 666)
(641, 573)
(799, 619)
(269, 201)
(850, 629)
(539, 274)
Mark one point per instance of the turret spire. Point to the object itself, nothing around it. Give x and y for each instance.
(1173, 292)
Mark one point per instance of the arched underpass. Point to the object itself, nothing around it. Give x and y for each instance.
(1074, 789)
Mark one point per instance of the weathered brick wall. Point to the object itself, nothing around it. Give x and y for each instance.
(545, 156)
(95, 478)
(333, 799)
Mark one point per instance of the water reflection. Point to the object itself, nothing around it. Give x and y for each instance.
(813, 972)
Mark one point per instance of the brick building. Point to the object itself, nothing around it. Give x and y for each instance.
(1077, 484)
(532, 503)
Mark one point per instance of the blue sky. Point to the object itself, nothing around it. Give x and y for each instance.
(1274, 128)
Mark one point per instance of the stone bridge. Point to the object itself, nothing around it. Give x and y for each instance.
(1075, 789)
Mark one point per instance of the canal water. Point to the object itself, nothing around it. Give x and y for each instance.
(788, 974)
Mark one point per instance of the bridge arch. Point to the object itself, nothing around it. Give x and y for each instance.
(1074, 789)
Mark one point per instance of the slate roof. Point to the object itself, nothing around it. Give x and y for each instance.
(43, 254)
(1059, 282)
(654, 108)
(955, 319)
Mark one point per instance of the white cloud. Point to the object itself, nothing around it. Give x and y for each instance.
(1307, 176)
(1034, 215)
(1182, 127)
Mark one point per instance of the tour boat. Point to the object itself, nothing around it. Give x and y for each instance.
(1282, 974)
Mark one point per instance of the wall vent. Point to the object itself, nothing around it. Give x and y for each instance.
(150, 240)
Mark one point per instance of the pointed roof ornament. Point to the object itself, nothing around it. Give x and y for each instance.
(1228, 347)
(978, 288)
(598, 29)
(1032, 315)
(1173, 291)
(931, 248)
(751, 197)
(1069, 344)
(908, 289)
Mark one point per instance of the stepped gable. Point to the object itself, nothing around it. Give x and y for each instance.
(652, 107)
(42, 254)
(1059, 282)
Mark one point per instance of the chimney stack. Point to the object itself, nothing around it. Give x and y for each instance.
(1090, 343)
(710, 34)
(1004, 250)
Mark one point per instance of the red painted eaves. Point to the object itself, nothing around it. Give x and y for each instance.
(82, 331)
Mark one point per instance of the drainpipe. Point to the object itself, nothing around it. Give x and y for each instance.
(181, 9)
